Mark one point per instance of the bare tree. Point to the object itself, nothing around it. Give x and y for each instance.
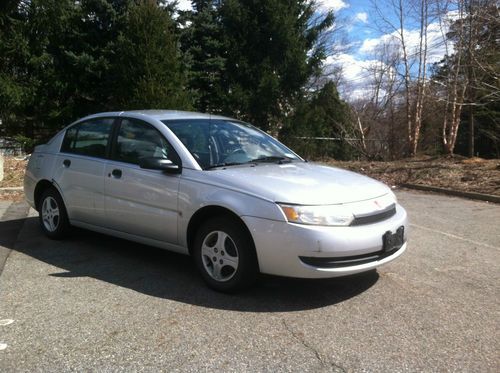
(414, 85)
(374, 112)
(455, 82)
(421, 77)
(469, 76)
(483, 72)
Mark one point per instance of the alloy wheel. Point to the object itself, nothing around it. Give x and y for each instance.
(50, 214)
(219, 255)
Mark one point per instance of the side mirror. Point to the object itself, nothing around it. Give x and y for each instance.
(162, 164)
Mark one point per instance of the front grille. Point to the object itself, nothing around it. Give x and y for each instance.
(374, 217)
(347, 261)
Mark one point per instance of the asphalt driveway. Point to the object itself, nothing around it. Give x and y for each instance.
(96, 303)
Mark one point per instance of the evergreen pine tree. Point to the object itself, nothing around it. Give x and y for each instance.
(273, 51)
(322, 114)
(205, 49)
(147, 72)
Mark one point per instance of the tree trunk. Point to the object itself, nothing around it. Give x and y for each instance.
(471, 131)
(470, 79)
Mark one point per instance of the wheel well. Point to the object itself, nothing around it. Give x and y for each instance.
(206, 213)
(41, 187)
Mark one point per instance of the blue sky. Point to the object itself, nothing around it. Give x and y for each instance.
(367, 28)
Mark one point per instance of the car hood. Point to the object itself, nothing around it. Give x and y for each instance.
(298, 183)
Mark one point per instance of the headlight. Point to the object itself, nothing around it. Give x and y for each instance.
(336, 215)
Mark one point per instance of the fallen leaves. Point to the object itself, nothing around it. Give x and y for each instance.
(469, 175)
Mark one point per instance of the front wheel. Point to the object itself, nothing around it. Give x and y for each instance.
(52, 215)
(225, 255)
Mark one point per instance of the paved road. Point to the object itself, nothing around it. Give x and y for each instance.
(99, 303)
(11, 220)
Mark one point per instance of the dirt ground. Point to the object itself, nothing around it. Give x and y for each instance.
(458, 173)
(13, 177)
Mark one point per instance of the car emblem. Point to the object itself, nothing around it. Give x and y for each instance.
(377, 203)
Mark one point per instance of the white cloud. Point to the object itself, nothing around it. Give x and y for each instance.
(183, 4)
(362, 16)
(357, 75)
(436, 44)
(334, 5)
(370, 45)
(352, 68)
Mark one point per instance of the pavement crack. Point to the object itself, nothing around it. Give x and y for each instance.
(300, 338)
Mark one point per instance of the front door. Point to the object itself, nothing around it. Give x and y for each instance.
(139, 201)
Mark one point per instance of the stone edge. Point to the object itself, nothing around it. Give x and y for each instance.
(456, 193)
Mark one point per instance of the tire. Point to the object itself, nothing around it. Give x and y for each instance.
(52, 215)
(225, 255)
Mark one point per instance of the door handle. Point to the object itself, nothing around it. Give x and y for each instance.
(116, 173)
(66, 163)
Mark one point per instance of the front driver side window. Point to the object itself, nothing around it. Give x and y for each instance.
(137, 139)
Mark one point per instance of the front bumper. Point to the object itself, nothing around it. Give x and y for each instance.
(280, 245)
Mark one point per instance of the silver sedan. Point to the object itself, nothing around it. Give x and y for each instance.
(237, 200)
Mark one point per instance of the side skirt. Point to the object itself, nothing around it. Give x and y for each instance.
(132, 237)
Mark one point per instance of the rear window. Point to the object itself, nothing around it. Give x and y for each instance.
(88, 138)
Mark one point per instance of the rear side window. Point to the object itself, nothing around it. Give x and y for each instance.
(137, 140)
(88, 138)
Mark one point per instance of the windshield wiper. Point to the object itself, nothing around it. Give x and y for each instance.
(272, 158)
(269, 159)
(223, 165)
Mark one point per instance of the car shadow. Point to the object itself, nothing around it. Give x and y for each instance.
(168, 275)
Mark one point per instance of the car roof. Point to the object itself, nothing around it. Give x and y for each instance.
(162, 114)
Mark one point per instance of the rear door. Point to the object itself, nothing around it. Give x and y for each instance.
(139, 201)
(79, 170)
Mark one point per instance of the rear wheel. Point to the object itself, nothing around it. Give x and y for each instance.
(52, 214)
(225, 255)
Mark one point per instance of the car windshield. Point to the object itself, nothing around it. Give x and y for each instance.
(219, 143)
